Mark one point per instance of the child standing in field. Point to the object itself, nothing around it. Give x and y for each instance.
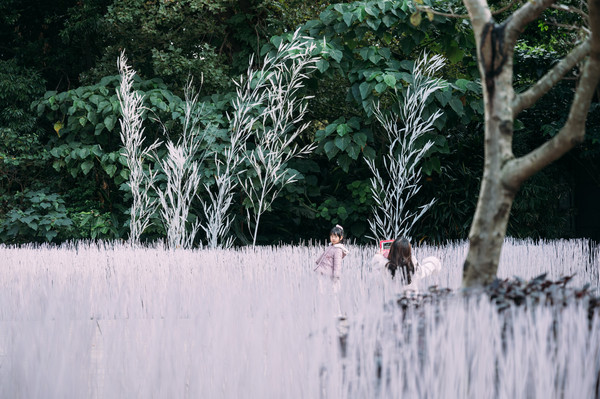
(329, 264)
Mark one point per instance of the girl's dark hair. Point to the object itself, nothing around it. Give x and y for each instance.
(400, 257)
(338, 231)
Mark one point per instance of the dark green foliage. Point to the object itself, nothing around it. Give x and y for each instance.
(68, 49)
(36, 216)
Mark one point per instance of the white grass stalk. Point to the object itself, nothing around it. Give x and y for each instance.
(113, 320)
(394, 188)
(250, 94)
(183, 178)
(281, 78)
(132, 137)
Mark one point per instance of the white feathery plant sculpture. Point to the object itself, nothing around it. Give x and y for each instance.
(391, 218)
(132, 137)
(282, 76)
(249, 95)
(182, 170)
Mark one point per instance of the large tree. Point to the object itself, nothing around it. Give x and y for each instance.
(503, 172)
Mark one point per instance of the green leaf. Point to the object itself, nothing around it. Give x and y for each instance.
(83, 153)
(87, 166)
(477, 106)
(110, 170)
(50, 235)
(474, 87)
(389, 20)
(373, 23)
(97, 150)
(322, 65)
(456, 105)
(369, 152)
(336, 54)
(354, 123)
(327, 16)
(365, 89)
(375, 58)
(390, 80)
(348, 18)
(443, 96)
(518, 125)
(98, 129)
(360, 138)
(461, 84)
(343, 129)
(342, 142)
(364, 53)
(109, 122)
(330, 149)
(344, 161)
(353, 151)
(385, 53)
(330, 128)
(381, 87)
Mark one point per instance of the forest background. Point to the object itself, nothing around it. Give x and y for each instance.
(62, 176)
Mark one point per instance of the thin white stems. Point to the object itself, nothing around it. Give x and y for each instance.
(391, 216)
(281, 78)
(182, 171)
(132, 137)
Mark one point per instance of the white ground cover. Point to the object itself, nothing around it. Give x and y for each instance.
(111, 321)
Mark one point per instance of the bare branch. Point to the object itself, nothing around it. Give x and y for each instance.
(528, 98)
(571, 9)
(570, 27)
(452, 14)
(572, 133)
(506, 7)
(443, 14)
(523, 16)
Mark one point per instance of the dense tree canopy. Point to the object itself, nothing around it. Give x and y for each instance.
(62, 176)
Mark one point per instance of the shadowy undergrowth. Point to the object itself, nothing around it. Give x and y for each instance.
(517, 291)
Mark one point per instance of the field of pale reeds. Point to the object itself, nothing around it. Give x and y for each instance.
(106, 320)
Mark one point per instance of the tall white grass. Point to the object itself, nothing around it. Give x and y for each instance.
(394, 188)
(250, 95)
(182, 167)
(280, 123)
(114, 320)
(132, 137)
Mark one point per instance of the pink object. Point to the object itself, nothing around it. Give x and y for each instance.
(330, 262)
(384, 246)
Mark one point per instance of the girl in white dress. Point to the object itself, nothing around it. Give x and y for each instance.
(402, 266)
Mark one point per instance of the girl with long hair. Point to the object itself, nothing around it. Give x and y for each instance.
(401, 262)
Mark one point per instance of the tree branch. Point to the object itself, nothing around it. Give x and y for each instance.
(480, 14)
(570, 9)
(506, 7)
(452, 14)
(528, 98)
(523, 16)
(572, 133)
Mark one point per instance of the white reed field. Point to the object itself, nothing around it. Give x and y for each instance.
(107, 320)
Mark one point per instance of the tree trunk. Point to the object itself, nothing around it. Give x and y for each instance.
(503, 173)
